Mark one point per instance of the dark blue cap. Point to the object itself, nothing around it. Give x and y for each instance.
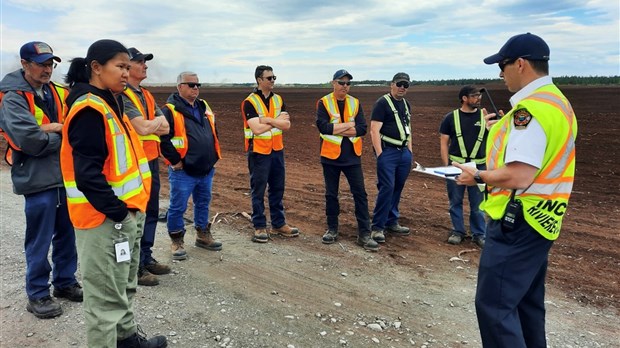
(37, 51)
(528, 46)
(137, 56)
(342, 73)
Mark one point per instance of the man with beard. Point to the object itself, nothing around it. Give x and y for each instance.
(463, 138)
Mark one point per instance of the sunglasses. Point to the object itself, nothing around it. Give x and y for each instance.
(270, 78)
(475, 95)
(46, 65)
(404, 84)
(342, 83)
(506, 62)
(191, 84)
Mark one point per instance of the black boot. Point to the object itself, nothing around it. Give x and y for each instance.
(138, 341)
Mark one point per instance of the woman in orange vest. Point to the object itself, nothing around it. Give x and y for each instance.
(107, 178)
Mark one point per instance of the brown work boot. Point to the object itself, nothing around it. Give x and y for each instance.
(260, 235)
(286, 231)
(157, 268)
(177, 246)
(205, 240)
(146, 278)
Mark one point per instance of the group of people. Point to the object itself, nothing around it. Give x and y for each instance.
(86, 161)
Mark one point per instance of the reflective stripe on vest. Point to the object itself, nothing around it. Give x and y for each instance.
(331, 145)
(179, 138)
(459, 136)
(150, 142)
(545, 201)
(399, 124)
(126, 168)
(270, 140)
(59, 95)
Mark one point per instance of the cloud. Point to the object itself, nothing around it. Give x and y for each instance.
(305, 41)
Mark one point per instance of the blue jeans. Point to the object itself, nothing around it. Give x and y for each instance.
(47, 223)
(355, 177)
(510, 295)
(267, 170)
(152, 212)
(393, 167)
(181, 187)
(477, 224)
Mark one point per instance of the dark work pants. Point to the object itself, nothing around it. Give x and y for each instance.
(511, 287)
(47, 223)
(393, 167)
(152, 212)
(355, 177)
(267, 170)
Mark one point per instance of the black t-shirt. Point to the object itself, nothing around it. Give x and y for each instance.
(382, 112)
(347, 154)
(250, 111)
(470, 128)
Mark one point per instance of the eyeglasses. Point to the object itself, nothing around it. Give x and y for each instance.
(475, 95)
(342, 83)
(46, 65)
(191, 84)
(404, 84)
(270, 78)
(505, 62)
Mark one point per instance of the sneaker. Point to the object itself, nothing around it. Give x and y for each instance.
(72, 293)
(479, 241)
(378, 236)
(177, 246)
(455, 239)
(398, 230)
(367, 243)
(286, 231)
(330, 236)
(205, 240)
(157, 268)
(139, 340)
(260, 236)
(146, 278)
(44, 308)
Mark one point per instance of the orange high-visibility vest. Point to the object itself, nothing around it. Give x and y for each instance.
(150, 142)
(60, 95)
(270, 140)
(331, 144)
(126, 168)
(179, 138)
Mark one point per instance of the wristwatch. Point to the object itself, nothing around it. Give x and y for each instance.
(478, 178)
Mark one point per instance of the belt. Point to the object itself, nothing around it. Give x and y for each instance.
(386, 144)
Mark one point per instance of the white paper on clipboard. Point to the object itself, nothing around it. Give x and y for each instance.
(444, 172)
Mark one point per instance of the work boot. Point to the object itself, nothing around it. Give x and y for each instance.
(44, 308)
(145, 278)
(286, 231)
(260, 235)
(367, 243)
(479, 241)
(330, 236)
(178, 251)
(205, 240)
(378, 236)
(455, 238)
(138, 340)
(157, 268)
(398, 230)
(72, 293)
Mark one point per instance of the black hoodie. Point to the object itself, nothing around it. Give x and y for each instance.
(90, 151)
(201, 156)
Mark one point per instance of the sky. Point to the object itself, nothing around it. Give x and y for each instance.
(306, 41)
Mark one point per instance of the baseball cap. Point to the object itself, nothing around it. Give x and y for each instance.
(38, 52)
(467, 90)
(136, 55)
(342, 73)
(401, 76)
(528, 46)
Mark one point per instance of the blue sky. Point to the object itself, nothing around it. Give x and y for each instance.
(305, 41)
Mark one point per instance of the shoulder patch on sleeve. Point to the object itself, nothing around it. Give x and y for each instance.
(522, 118)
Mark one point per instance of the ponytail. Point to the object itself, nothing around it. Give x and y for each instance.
(79, 71)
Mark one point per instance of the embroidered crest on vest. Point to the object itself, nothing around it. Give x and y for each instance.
(522, 118)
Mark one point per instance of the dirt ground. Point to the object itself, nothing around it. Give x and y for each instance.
(301, 293)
